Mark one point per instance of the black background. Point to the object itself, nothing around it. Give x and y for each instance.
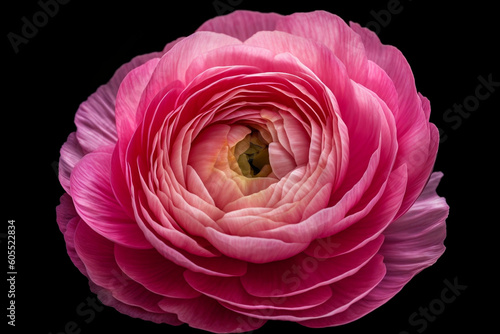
(448, 46)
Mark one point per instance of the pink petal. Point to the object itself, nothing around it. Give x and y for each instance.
(231, 24)
(395, 65)
(302, 273)
(298, 138)
(69, 239)
(97, 253)
(154, 272)
(168, 228)
(235, 54)
(95, 118)
(378, 81)
(334, 219)
(96, 204)
(412, 243)
(127, 101)
(230, 291)
(107, 298)
(331, 31)
(417, 138)
(418, 234)
(426, 105)
(118, 183)
(298, 54)
(71, 153)
(68, 220)
(281, 161)
(217, 266)
(344, 293)
(65, 211)
(207, 314)
(421, 152)
(173, 64)
(252, 249)
(368, 227)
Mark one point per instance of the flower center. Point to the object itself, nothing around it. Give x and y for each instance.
(253, 155)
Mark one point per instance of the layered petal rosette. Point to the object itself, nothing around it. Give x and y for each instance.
(266, 167)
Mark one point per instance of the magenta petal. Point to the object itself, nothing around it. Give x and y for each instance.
(231, 24)
(71, 153)
(95, 118)
(173, 64)
(97, 253)
(413, 243)
(119, 184)
(95, 202)
(395, 65)
(330, 30)
(65, 211)
(207, 314)
(219, 266)
(420, 163)
(368, 227)
(417, 139)
(68, 220)
(415, 240)
(252, 249)
(282, 162)
(344, 293)
(295, 275)
(154, 272)
(127, 101)
(69, 239)
(107, 298)
(230, 291)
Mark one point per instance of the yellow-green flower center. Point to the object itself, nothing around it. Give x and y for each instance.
(254, 160)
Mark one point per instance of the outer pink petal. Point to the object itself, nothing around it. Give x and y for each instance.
(392, 61)
(207, 314)
(95, 118)
(415, 240)
(127, 101)
(97, 253)
(230, 291)
(344, 293)
(368, 227)
(412, 243)
(71, 153)
(154, 272)
(232, 25)
(420, 157)
(65, 211)
(173, 65)
(107, 298)
(68, 220)
(293, 276)
(330, 30)
(95, 201)
(418, 140)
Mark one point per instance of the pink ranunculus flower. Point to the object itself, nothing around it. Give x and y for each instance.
(266, 167)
